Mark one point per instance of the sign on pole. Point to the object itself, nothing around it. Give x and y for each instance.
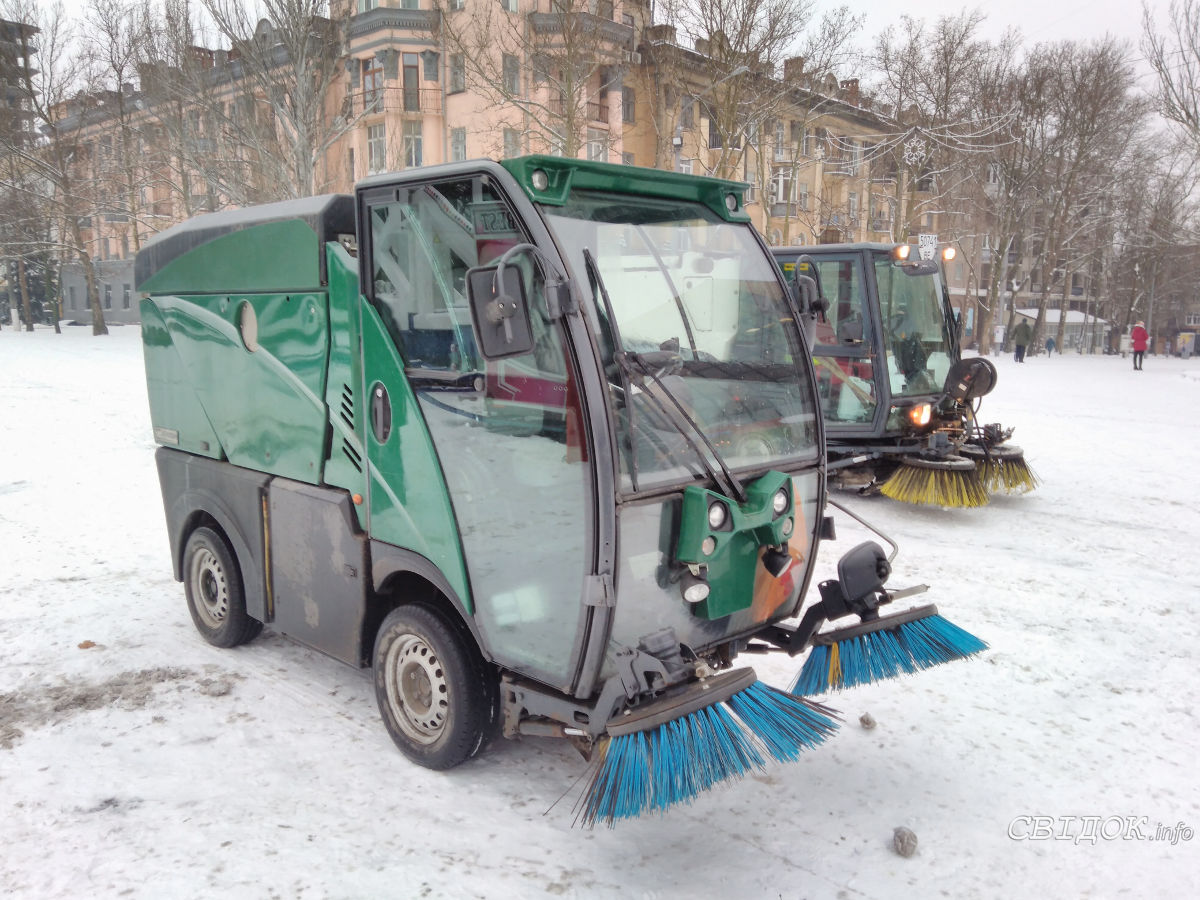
(927, 245)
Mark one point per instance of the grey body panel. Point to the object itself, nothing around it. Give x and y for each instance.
(232, 497)
(320, 580)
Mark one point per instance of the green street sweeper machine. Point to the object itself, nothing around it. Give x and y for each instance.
(537, 441)
(899, 402)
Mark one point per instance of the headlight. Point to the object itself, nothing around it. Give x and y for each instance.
(780, 501)
(920, 414)
(718, 515)
(708, 545)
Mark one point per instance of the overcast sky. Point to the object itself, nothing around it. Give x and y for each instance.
(1038, 20)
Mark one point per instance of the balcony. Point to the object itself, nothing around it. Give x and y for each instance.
(376, 101)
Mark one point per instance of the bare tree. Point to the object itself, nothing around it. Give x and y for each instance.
(60, 164)
(1175, 58)
(930, 76)
(555, 74)
(753, 60)
(266, 97)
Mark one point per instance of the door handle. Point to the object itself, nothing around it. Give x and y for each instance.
(381, 413)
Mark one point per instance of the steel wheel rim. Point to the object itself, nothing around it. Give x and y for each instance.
(210, 588)
(417, 690)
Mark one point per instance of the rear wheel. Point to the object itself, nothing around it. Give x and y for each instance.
(213, 585)
(437, 696)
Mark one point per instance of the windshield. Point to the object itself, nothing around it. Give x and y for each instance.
(916, 331)
(702, 297)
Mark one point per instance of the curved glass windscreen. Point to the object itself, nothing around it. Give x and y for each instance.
(701, 351)
(916, 329)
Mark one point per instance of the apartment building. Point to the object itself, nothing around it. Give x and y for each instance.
(420, 82)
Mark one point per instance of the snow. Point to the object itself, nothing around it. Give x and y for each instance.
(136, 760)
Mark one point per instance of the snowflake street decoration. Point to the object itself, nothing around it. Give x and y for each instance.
(915, 151)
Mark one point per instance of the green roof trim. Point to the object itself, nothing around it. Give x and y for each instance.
(565, 175)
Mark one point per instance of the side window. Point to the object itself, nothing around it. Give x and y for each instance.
(846, 321)
(843, 356)
(422, 246)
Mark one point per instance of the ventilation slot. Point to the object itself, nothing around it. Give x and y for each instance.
(348, 406)
(353, 455)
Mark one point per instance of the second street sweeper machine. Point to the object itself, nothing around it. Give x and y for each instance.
(537, 441)
(899, 402)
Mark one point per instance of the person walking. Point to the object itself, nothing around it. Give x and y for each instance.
(1021, 337)
(1049, 346)
(1138, 339)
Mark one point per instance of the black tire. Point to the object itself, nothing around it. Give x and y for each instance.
(213, 584)
(437, 696)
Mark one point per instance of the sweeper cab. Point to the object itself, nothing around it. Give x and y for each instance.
(537, 441)
(899, 402)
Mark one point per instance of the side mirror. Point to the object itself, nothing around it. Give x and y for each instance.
(499, 311)
(810, 301)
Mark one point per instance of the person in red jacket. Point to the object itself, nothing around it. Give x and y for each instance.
(1138, 338)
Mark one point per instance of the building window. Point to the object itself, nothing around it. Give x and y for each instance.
(627, 159)
(429, 60)
(410, 4)
(852, 205)
(126, 296)
(802, 195)
(1191, 319)
(411, 81)
(780, 141)
(685, 166)
(71, 296)
(512, 143)
(458, 74)
(604, 9)
(412, 144)
(372, 82)
(715, 139)
(597, 145)
(458, 144)
(512, 75)
(376, 149)
(108, 296)
(365, 5)
(456, 4)
(687, 112)
(628, 102)
(509, 5)
(350, 165)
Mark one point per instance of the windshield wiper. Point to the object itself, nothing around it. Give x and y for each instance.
(653, 365)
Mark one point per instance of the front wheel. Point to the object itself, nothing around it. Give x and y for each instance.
(213, 585)
(437, 697)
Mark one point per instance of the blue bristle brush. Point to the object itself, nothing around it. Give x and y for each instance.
(882, 648)
(689, 740)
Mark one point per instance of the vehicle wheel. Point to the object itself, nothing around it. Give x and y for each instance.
(213, 585)
(437, 696)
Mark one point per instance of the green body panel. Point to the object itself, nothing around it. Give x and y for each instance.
(749, 527)
(346, 465)
(566, 175)
(273, 257)
(266, 406)
(408, 504)
(176, 412)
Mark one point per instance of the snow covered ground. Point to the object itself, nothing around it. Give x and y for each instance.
(137, 761)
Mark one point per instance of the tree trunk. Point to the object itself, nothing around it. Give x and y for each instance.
(26, 301)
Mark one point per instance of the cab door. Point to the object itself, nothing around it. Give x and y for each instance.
(500, 442)
(844, 351)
